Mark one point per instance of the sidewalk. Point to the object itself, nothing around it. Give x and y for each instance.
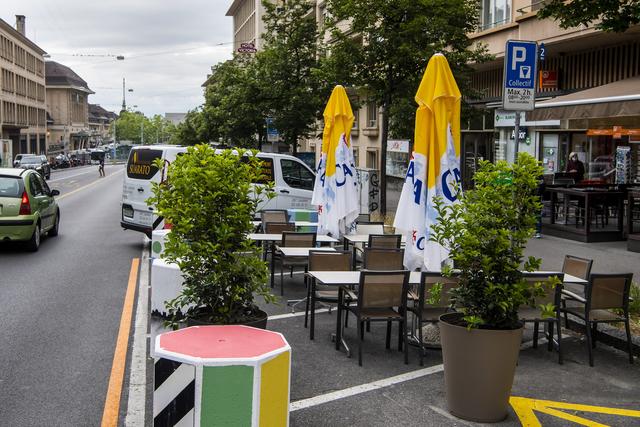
(329, 389)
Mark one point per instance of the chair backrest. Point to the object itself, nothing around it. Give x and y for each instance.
(608, 291)
(384, 240)
(370, 228)
(552, 295)
(292, 239)
(427, 280)
(576, 266)
(279, 227)
(383, 259)
(329, 261)
(273, 215)
(383, 289)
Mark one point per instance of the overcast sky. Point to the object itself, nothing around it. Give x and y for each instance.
(169, 47)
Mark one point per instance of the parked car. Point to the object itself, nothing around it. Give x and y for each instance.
(36, 163)
(62, 161)
(16, 160)
(27, 207)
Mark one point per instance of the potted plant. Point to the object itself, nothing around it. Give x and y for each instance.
(486, 234)
(209, 199)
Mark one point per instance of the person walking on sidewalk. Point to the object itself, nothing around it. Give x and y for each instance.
(101, 166)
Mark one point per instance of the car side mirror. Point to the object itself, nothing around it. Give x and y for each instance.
(55, 193)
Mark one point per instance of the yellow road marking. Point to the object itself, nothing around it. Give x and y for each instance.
(112, 401)
(84, 187)
(524, 409)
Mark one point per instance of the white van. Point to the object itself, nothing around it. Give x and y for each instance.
(293, 181)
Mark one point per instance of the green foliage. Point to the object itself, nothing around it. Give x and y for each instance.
(634, 304)
(136, 127)
(613, 15)
(486, 234)
(395, 39)
(210, 202)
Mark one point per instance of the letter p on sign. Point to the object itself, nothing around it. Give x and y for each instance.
(519, 55)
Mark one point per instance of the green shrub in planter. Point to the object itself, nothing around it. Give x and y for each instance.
(486, 234)
(210, 201)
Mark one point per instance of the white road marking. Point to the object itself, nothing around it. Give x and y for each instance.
(72, 176)
(138, 370)
(363, 388)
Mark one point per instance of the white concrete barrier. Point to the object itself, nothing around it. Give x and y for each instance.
(166, 284)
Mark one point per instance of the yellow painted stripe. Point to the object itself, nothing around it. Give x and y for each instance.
(589, 408)
(112, 401)
(570, 417)
(274, 391)
(62, 196)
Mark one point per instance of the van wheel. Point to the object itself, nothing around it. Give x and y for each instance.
(34, 242)
(54, 231)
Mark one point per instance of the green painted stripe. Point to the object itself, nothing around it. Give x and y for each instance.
(227, 395)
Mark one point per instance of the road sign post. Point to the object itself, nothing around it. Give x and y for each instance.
(520, 71)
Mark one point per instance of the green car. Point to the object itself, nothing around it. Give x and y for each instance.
(27, 207)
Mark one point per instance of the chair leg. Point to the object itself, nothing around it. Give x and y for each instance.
(400, 339)
(550, 336)
(338, 326)
(594, 334)
(420, 342)
(566, 315)
(405, 343)
(589, 345)
(629, 343)
(560, 361)
(368, 326)
(307, 306)
(535, 335)
(281, 277)
(361, 335)
(387, 342)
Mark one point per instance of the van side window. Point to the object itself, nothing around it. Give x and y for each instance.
(267, 170)
(296, 175)
(140, 164)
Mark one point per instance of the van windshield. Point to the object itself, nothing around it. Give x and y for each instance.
(140, 164)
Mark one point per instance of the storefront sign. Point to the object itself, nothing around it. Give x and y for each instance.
(506, 119)
(617, 132)
(398, 145)
(548, 79)
(523, 135)
(519, 88)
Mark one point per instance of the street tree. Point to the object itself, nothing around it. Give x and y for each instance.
(389, 43)
(609, 15)
(136, 127)
(288, 68)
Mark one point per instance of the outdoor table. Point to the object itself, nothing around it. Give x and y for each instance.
(297, 223)
(589, 198)
(221, 376)
(277, 237)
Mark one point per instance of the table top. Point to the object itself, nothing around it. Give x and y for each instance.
(364, 238)
(353, 277)
(298, 223)
(300, 252)
(276, 237)
(578, 191)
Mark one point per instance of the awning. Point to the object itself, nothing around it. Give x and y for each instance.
(617, 99)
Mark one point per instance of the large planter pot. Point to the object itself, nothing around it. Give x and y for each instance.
(260, 321)
(479, 366)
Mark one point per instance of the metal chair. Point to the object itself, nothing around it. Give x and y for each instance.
(377, 241)
(363, 217)
(430, 313)
(273, 215)
(604, 293)
(382, 297)
(324, 261)
(578, 267)
(294, 240)
(376, 227)
(279, 227)
(383, 259)
(531, 313)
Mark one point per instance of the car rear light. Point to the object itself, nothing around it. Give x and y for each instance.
(25, 205)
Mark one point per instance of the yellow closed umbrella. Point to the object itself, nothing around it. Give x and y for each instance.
(434, 169)
(336, 187)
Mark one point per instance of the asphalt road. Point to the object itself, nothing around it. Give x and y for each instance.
(61, 306)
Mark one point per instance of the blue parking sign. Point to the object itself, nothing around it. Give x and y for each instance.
(520, 69)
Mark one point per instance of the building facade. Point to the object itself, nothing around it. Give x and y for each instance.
(100, 124)
(67, 103)
(587, 98)
(23, 117)
(248, 26)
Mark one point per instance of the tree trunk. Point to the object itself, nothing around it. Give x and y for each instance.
(383, 154)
